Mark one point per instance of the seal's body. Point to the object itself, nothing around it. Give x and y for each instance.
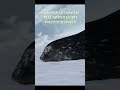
(69, 48)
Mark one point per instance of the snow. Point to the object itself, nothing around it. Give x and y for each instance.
(58, 73)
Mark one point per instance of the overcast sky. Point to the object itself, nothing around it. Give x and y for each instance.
(22, 8)
(96, 9)
(49, 32)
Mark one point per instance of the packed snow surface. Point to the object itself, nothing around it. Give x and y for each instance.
(59, 73)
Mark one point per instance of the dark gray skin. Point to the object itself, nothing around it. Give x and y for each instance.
(24, 72)
(69, 48)
(103, 48)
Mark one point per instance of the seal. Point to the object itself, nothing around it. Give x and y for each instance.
(102, 48)
(24, 72)
(68, 48)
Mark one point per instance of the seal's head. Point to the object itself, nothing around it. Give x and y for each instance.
(48, 54)
(54, 53)
(24, 73)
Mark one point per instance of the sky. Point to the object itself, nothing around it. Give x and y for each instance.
(46, 32)
(96, 9)
(22, 8)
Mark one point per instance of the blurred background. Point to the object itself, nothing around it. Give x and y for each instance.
(96, 9)
(16, 33)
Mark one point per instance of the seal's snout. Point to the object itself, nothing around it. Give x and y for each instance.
(44, 57)
(47, 53)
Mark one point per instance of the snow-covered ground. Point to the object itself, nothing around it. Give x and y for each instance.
(58, 73)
